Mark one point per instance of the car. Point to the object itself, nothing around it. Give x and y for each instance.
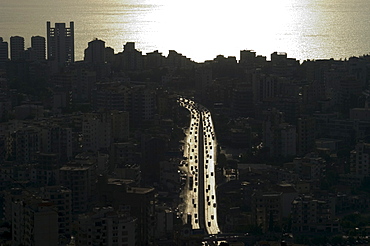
(212, 217)
(214, 205)
(195, 205)
(209, 223)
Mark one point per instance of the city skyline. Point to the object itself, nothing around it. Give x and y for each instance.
(168, 122)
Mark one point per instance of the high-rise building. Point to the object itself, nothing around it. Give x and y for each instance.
(4, 55)
(16, 47)
(60, 42)
(39, 47)
(95, 52)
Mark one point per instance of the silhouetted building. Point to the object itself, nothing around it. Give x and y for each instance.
(4, 53)
(95, 52)
(130, 58)
(16, 47)
(154, 59)
(60, 43)
(39, 47)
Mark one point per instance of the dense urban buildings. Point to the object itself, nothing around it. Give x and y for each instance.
(92, 152)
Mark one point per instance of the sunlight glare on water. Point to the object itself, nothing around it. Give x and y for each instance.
(202, 29)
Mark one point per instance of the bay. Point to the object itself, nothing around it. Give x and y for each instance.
(202, 29)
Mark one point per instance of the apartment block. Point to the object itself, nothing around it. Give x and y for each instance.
(313, 215)
(79, 176)
(267, 210)
(107, 226)
(34, 221)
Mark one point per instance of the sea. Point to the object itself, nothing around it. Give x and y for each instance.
(202, 29)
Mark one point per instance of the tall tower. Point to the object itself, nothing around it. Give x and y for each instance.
(60, 42)
(4, 55)
(16, 47)
(39, 47)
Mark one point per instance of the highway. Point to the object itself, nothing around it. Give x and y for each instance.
(200, 206)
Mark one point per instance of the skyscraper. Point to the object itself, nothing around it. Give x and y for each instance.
(60, 42)
(38, 46)
(16, 47)
(4, 55)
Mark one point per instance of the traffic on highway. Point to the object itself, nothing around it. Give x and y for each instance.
(200, 206)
